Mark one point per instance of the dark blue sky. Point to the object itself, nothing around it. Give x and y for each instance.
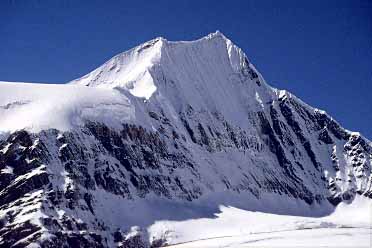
(320, 50)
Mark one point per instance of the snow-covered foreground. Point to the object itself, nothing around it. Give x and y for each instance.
(348, 226)
(319, 237)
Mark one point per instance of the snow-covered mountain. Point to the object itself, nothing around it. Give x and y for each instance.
(165, 131)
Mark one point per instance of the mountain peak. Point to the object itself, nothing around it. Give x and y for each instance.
(75, 160)
(133, 70)
(211, 36)
(216, 34)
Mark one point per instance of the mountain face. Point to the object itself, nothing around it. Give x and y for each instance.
(166, 130)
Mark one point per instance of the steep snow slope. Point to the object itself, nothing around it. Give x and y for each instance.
(208, 74)
(129, 70)
(165, 131)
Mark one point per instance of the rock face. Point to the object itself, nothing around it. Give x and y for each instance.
(205, 124)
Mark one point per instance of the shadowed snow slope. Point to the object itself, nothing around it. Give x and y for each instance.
(156, 140)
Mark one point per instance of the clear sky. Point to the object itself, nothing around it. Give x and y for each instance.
(319, 50)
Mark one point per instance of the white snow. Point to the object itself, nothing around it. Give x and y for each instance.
(42, 106)
(7, 169)
(128, 70)
(232, 227)
(6, 148)
(205, 74)
(319, 237)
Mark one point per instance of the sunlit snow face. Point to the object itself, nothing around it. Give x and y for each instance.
(37, 107)
(128, 71)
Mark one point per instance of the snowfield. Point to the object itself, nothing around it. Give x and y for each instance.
(311, 238)
(37, 107)
(350, 225)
